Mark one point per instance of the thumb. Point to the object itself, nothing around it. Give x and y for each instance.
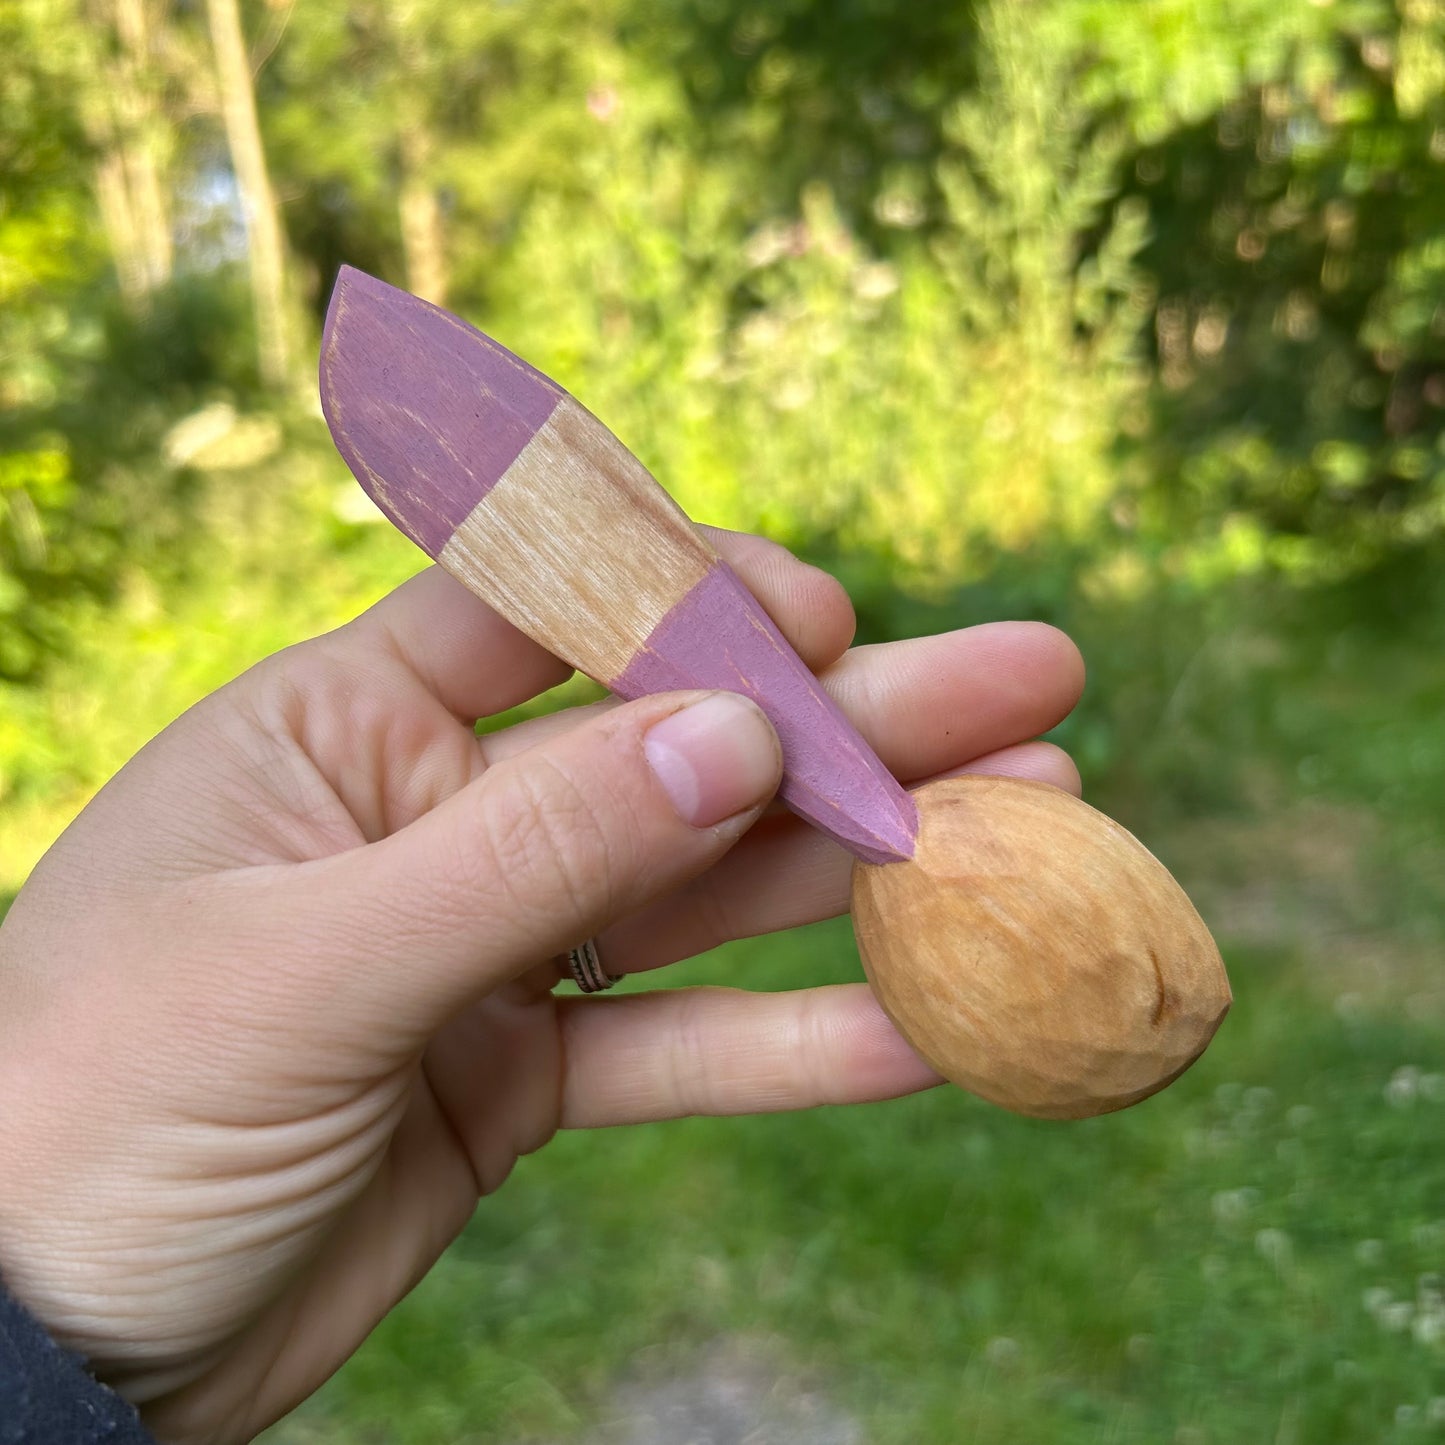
(549, 847)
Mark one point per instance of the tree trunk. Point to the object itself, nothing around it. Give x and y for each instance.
(423, 239)
(112, 192)
(266, 244)
(141, 124)
(124, 121)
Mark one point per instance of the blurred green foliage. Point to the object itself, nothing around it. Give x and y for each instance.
(1128, 314)
(1253, 1255)
(1119, 294)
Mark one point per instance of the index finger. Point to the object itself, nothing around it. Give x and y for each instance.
(476, 663)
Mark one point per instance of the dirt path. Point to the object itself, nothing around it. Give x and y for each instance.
(737, 1394)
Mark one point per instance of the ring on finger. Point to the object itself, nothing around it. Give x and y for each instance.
(584, 964)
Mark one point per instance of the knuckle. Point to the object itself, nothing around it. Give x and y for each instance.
(691, 1069)
(544, 833)
(813, 1082)
(716, 918)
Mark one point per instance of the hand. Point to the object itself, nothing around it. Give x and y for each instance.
(277, 1009)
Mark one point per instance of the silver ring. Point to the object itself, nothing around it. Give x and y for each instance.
(586, 968)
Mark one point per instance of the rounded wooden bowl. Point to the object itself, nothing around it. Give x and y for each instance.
(1036, 953)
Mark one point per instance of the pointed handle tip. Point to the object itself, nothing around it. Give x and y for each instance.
(427, 411)
(354, 292)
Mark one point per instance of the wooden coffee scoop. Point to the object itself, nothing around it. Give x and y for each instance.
(1028, 947)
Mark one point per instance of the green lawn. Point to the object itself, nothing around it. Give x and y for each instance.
(1254, 1256)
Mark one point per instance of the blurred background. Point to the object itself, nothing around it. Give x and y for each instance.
(1130, 316)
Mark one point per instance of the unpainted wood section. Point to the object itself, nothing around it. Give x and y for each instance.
(1036, 953)
(578, 546)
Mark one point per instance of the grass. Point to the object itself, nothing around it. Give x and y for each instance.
(1254, 1255)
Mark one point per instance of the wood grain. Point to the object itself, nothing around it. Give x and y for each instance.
(1034, 952)
(427, 411)
(578, 546)
(537, 508)
(1030, 948)
(582, 550)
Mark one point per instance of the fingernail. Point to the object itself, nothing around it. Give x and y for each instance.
(714, 758)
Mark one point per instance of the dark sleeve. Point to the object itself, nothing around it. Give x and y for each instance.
(48, 1397)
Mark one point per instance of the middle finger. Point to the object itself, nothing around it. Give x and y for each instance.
(934, 706)
(925, 704)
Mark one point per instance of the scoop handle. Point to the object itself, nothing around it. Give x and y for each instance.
(580, 548)
(521, 493)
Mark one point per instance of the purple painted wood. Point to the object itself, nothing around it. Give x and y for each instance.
(427, 411)
(719, 636)
(429, 414)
